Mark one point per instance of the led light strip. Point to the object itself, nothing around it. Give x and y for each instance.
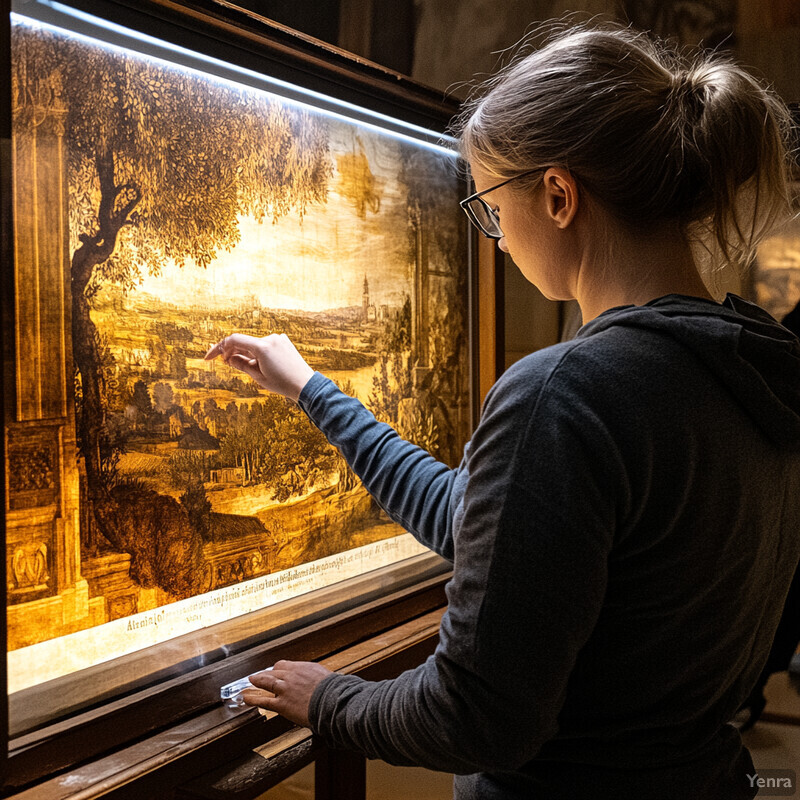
(52, 14)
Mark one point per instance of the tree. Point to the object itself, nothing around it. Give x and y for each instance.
(393, 380)
(162, 163)
(159, 358)
(277, 446)
(140, 399)
(166, 551)
(177, 364)
(198, 507)
(163, 397)
(247, 441)
(186, 467)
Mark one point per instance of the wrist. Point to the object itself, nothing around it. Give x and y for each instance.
(299, 384)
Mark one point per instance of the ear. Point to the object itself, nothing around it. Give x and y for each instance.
(561, 196)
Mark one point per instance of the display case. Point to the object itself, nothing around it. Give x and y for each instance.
(173, 173)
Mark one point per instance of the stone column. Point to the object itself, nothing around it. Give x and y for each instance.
(420, 300)
(46, 595)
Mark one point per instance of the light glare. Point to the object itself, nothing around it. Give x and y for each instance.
(150, 46)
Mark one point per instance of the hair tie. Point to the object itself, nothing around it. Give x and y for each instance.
(686, 89)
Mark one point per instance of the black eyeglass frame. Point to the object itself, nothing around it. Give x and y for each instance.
(492, 214)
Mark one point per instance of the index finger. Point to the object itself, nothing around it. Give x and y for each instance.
(235, 343)
(215, 351)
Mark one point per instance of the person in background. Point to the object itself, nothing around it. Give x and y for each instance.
(623, 524)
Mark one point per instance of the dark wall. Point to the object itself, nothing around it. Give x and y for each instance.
(378, 30)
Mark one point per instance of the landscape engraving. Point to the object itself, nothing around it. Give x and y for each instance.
(158, 209)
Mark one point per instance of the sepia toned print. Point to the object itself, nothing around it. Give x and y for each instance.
(141, 477)
(776, 273)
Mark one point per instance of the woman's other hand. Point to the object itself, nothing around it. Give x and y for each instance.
(272, 361)
(286, 689)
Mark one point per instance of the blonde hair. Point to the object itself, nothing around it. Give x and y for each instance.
(652, 134)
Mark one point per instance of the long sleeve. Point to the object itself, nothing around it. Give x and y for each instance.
(412, 487)
(529, 580)
(596, 550)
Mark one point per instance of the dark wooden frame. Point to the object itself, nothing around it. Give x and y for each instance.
(6, 303)
(401, 633)
(117, 733)
(225, 31)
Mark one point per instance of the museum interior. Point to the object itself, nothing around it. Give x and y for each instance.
(130, 651)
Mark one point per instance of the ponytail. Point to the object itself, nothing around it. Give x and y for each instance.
(651, 134)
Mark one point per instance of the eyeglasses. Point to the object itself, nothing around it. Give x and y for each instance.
(482, 215)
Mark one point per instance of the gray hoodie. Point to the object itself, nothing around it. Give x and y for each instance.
(624, 527)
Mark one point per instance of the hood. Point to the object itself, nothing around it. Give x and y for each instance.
(743, 346)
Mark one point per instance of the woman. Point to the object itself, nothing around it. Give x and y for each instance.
(623, 525)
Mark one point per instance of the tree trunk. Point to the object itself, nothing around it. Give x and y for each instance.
(95, 250)
(86, 352)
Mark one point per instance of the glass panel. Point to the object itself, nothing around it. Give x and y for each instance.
(157, 208)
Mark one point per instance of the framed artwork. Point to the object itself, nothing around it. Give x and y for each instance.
(775, 279)
(180, 172)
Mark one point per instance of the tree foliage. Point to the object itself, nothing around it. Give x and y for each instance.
(140, 399)
(166, 551)
(198, 507)
(393, 380)
(162, 162)
(185, 155)
(277, 446)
